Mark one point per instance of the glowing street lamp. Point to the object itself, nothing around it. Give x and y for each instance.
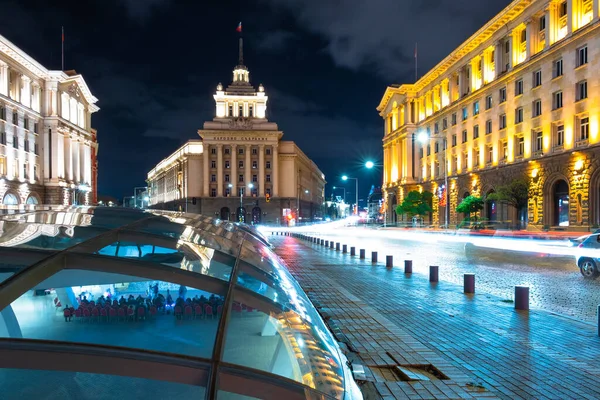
(369, 164)
(345, 178)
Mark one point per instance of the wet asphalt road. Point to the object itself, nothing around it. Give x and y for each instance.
(555, 282)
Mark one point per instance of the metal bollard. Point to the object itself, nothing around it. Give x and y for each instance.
(345, 248)
(327, 243)
(389, 262)
(374, 257)
(469, 283)
(352, 251)
(322, 242)
(408, 266)
(337, 246)
(362, 254)
(434, 273)
(331, 244)
(521, 297)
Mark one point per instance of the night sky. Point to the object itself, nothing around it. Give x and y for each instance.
(155, 64)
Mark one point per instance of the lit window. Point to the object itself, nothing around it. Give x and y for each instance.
(519, 115)
(557, 100)
(560, 135)
(476, 108)
(465, 113)
(537, 78)
(519, 87)
(584, 128)
(557, 68)
(582, 56)
(581, 90)
(502, 95)
(488, 102)
(539, 141)
(504, 149)
(537, 108)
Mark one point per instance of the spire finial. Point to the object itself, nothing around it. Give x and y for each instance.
(241, 56)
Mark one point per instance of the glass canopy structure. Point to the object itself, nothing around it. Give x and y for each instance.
(100, 302)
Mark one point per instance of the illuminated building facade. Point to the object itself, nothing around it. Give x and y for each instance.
(517, 99)
(240, 169)
(47, 146)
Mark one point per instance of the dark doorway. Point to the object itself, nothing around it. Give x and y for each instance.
(561, 203)
(492, 209)
(225, 214)
(256, 213)
(241, 213)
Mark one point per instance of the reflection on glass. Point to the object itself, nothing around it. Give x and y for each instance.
(55, 385)
(118, 310)
(284, 344)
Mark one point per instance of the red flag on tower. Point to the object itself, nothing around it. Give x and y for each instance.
(239, 28)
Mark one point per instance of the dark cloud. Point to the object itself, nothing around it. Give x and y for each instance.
(380, 35)
(141, 10)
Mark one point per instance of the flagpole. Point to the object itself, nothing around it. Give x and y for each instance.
(63, 48)
(416, 64)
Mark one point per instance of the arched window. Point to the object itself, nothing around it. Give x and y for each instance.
(32, 200)
(10, 200)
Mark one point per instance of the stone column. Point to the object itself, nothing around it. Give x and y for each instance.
(3, 78)
(498, 53)
(261, 170)
(219, 170)
(26, 91)
(68, 156)
(275, 171)
(35, 101)
(247, 169)
(205, 172)
(570, 5)
(233, 170)
(82, 164)
(550, 26)
(75, 156)
(530, 39)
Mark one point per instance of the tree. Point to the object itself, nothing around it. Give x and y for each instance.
(469, 205)
(516, 193)
(415, 203)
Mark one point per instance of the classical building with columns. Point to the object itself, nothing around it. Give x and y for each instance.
(47, 146)
(518, 99)
(240, 169)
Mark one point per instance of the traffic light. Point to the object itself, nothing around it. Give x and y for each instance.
(268, 197)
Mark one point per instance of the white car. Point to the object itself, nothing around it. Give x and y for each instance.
(587, 260)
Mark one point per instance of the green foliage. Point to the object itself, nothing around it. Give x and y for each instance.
(516, 193)
(469, 205)
(415, 203)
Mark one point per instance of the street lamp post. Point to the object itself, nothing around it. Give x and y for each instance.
(423, 137)
(135, 195)
(345, 178)
(371, 165)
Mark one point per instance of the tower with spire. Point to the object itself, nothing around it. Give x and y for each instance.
(240, 105)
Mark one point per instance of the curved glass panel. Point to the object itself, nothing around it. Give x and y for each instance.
(60, 385)
(10, 200)
(116, 291)
(118, 310)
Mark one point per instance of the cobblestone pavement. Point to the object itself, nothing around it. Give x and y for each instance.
(555, 282)
(485, 347)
